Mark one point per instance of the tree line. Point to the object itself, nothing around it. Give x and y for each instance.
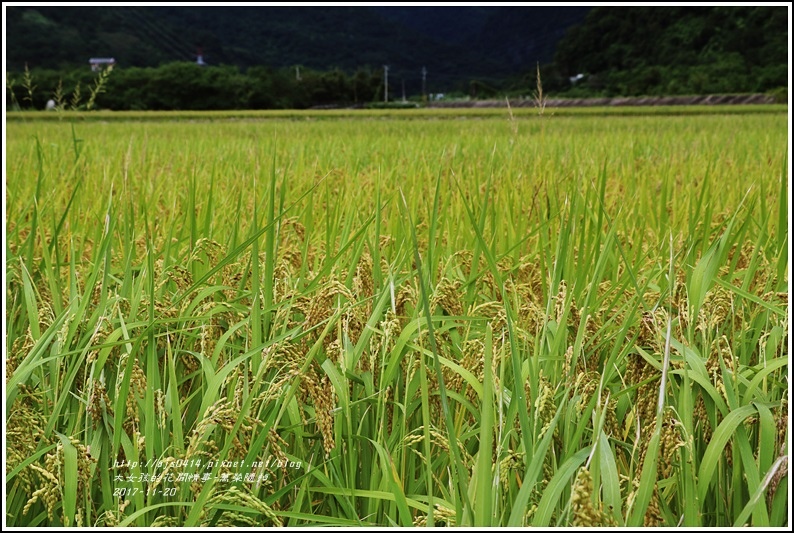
(633, 51)
(189, 86)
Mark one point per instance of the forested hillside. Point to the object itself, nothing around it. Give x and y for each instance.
(677, 50)
(454, 44)
(297, 57)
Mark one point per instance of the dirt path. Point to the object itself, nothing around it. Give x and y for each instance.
(721, 99)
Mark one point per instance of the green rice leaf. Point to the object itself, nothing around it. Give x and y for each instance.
(713, 453)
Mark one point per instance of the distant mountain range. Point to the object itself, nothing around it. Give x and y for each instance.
(454, 44)
(475, 51)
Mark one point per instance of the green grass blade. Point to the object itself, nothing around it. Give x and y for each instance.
(462, 480)
(557, 484)
(713, 453)
(534, 468)
(70, 479)
(483, 504)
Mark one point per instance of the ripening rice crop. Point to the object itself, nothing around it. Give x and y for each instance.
(457, 320)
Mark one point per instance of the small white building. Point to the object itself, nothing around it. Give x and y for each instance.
(99, 63)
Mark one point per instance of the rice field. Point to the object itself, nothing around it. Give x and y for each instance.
(397, 320)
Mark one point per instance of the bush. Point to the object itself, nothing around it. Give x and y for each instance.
(780, 94)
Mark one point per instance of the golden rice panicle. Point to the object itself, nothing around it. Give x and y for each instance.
(197, 448)
(585, 513)
(321, 392)
(473, 357)
(46, 313)
(224, 414)
(100, 334)
(530, 275)
(447, 296)
(277, 445)
(544, 405)
(777, 477)
(20, 348)
(323, 304)
(181, 277)
(282, 354)
(566, 366)
(701, 418)
(51, 477)
(459, 261)
(112, 518)
(354, 320)
(439, 438)
(671, 439)
(512, 464)
(721, 355)
(286, 360)
(232, 275)
(24, 431)
(505, 266)
(363, 282)
(239, 387)
(383, 343)
(559, 300)
(587, 385)
(243, 498)
(653, 328)
(213, 250)
(286, 271)
(160, 521)
(441, 515)
(209, 333)
(531, 316)
(291, 260)
(159, 408)
(405, 296)
(98, 402)
(494, 312)
(781, 421)
(716, 311)
(638, 371)
(334, 351)
(388, 401)
(653, 514)
(137, 391)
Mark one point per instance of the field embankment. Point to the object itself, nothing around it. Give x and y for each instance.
(494, 110)
(712, 99)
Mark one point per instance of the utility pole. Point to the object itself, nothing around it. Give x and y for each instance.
(298, 73)
(424, 77)
(386, 83)
(403, 80)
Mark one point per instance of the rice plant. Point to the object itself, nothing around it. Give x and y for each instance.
(397, 320)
